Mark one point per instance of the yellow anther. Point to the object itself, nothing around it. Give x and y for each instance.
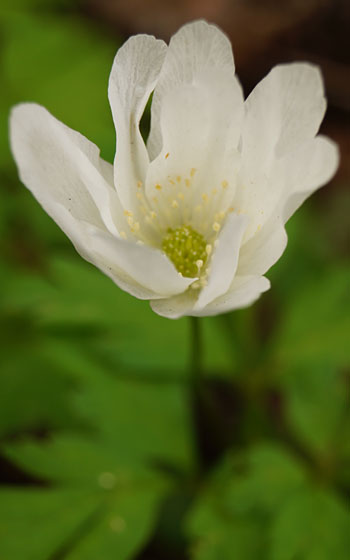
(193, 171)
(175, 204)
(231, 209)
(187, 183)
(185, 247)
(172, 182)
(127, 213)
(139, 195)
(205, 197)
(130, 221)
(216, 226)
(139, 184)
(224, 184)
(214, 191)
(167, 155)
(158, 187)
(178, 178)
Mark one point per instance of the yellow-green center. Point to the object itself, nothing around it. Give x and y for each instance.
(186, 248)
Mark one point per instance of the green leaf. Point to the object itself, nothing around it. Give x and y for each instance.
(270, 474)
(97, 507)
(82, 524)
(34, 523)
(316, 405)
(312, 525)
(230, 518)
(160, 431)
(241, 541)
(34, 394)
(316, 322)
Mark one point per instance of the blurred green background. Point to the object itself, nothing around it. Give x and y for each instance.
(103, 455)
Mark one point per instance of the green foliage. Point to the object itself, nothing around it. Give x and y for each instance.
(313, 525)
(265, 505)
(99, 441)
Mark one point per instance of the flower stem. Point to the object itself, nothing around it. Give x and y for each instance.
(196, 353)
(195, 375)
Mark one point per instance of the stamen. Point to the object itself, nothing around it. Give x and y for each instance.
(186, 248)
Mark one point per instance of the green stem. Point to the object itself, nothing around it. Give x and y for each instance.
(196, 353)
(195, 375)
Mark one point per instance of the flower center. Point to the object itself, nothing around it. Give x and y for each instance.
(187, 250)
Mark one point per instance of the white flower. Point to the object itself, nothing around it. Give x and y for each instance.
(193, 220)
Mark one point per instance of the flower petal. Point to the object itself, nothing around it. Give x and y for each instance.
(284, 110)
(262, 250)
(244, 291)
(292, 178)
(304, 171)
(195, 50)
(147, 266)
(79, 232)
(133, 77)
(60, 166)
(224, 260)
(199, 134)
(175, 307)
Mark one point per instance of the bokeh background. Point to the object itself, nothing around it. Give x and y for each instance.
(103, 455)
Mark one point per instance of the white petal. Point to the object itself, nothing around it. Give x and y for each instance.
(293, 178)
(224, 260)
(60, 166)
(196, 49)
(133, 77)
(304, 171)
(147, 266)
(263, 249)
(175, 307)
(197, 131)
(244, 291)
(79, 232)
(284, 110)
